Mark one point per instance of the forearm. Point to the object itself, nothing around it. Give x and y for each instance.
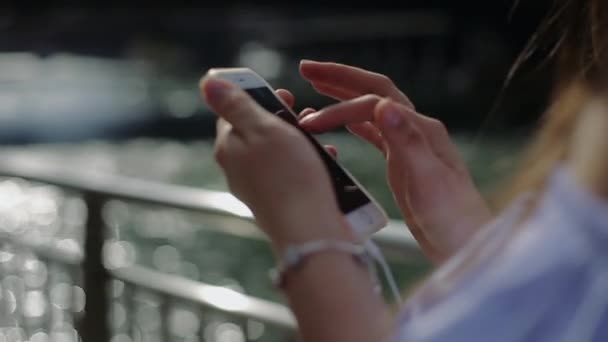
(332, 294)
(333, 299)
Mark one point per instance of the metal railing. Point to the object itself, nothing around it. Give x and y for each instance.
(98, 189)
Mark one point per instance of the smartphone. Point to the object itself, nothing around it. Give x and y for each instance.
(364, 215)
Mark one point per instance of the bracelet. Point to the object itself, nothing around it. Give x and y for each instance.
(296, 256)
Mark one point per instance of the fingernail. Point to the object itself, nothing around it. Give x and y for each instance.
(216, 89)
(302, 61)
(306, 112)
(308, 118)
(391, 116)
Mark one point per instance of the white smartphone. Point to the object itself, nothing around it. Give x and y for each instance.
(362, 212)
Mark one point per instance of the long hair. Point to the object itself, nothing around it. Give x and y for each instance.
(574, 36)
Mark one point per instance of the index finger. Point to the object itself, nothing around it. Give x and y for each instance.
(351, 79)
(286, 96)
(341, 114)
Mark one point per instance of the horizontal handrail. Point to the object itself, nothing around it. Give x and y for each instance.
(233, 217)
(210, 296)
(395, 238)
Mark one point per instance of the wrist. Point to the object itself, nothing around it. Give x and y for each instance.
(296, 256)
(286, 234)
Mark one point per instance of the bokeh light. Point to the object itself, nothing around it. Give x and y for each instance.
(148, 318)
(35, 273)
(61, 296)
(266, 61)
(79, 299)
(40, 336)
(183, 323)
(118, 316)
(167, 259)
(118, 254)
(229, 332)
(121, 338)
(34, 304)
(64, 333)
(255, 329)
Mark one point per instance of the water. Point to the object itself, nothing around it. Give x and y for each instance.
(169, 240)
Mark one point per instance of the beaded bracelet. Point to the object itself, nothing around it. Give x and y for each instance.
(296, 256)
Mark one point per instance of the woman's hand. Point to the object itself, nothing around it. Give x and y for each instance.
(272, 168)
(430, 182)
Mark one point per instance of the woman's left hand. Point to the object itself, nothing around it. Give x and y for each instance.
(431, 183)
(273, 169)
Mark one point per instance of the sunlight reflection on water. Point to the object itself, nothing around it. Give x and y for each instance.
(47, 296)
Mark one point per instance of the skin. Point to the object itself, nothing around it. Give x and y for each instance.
(317, 293)
(428, 178)
(265, 159)
(329, 292)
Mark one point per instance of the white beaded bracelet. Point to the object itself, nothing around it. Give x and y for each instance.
(295, 256)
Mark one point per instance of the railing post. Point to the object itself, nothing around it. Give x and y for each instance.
(93, 327)
(165, 332)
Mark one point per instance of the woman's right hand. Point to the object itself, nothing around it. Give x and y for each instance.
(430, 182)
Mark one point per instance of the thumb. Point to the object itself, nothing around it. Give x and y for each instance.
(406, 145)
(411, 165)
(232, 104)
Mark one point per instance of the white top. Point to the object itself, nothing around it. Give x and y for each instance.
(545, 279)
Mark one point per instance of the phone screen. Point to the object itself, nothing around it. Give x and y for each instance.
(349, 196)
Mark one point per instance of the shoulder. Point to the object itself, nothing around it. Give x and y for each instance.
(526, 289)
(542, 280)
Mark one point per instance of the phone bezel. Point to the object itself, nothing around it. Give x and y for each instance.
(364, 220)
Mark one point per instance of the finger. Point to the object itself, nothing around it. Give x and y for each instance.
(368, 132)
(357, 110)
(306, 112)
(222, 127)
(221, 138)
(331, 149)
(227, 150)
(233, 105)
(441, 144)
(360, 110)
(406, 144)
(409, 156)
(286, 96)
(353, 79)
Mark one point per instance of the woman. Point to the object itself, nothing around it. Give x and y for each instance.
(537, 272)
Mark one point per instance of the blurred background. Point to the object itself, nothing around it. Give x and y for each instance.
(114, 90)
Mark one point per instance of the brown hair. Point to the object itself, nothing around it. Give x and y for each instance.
(575, 34)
